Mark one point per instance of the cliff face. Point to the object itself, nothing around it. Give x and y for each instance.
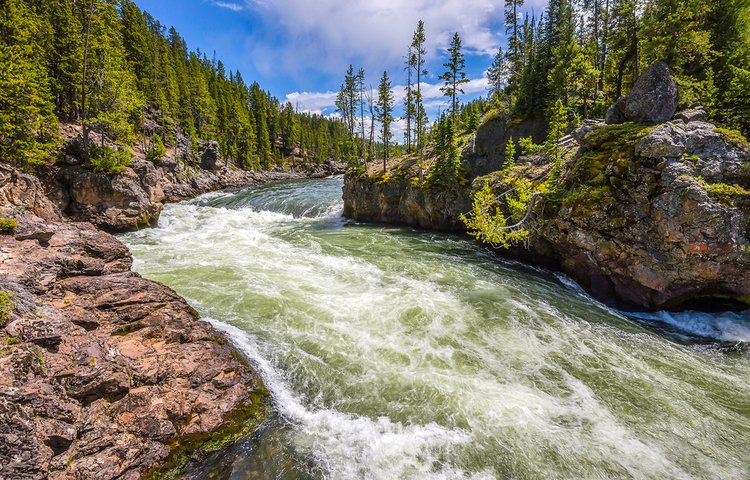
(401, 202)
(660, 220)
(643, 218)
(103, 374)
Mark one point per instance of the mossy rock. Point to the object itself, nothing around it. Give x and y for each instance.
(128, 329)
(244, 420)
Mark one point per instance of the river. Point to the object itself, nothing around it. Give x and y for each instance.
(392, 353)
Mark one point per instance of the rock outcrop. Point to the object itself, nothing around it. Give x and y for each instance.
(400, 202)
(134, 199)
(644, 218)
(652, 100)
(485, 152)
(656, 218)
(103, 374)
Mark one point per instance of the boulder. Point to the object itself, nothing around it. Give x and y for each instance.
(115, 202)
(697, 114)
(210, 157)
(652, 100)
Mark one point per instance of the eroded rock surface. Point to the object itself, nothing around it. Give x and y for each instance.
(102, 373)
(134, 199)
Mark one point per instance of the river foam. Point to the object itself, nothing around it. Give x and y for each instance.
(392, 353)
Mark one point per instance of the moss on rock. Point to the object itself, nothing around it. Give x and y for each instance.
(241, 422)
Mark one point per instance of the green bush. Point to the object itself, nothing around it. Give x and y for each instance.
(107, 160)
(157, 150)
(6, 306)
(528, 147)
(7, 226)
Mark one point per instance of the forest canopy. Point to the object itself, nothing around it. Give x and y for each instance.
(116, 70)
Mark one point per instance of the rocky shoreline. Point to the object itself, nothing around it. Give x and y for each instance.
(646, 218)
(104, 374)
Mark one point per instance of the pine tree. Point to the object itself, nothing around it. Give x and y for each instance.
(361, 100)
(419, 50)
(454, 77)
(496, 74)
(384, 112)
(409, 109)
(510, 154)
(557, 125)
(28, 128)
(515, 41)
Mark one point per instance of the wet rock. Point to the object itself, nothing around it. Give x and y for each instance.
(652, 100)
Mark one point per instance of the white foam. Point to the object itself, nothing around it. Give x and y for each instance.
(351, 446)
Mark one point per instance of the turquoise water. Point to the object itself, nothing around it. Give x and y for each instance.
(394, 353)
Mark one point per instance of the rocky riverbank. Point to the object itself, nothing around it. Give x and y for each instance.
(134, 198)
(644, 218)
(103, 374)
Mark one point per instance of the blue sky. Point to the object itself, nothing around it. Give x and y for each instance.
(300, 49)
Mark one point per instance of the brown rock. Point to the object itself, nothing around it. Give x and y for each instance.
(108, 368)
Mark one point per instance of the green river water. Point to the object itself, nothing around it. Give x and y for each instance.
(399, 354)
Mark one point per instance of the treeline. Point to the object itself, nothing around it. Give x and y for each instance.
(124, 77)
(589, 52)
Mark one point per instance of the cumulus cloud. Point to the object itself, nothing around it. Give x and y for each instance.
(313, 34)
(312, 102)
(320, 102)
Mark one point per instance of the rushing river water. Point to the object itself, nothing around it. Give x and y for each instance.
(392, 353)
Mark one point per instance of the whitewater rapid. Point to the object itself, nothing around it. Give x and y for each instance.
(392, 353)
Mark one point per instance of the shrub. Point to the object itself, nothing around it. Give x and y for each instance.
(157, 150)
(528, 147)
(107, 160)
(7, 225)
(6, 306)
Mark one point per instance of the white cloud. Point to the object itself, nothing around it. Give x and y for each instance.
(312, 102)
(330, 34)
(235, 7)
(318, 102)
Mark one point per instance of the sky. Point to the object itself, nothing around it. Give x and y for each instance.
(299, 50)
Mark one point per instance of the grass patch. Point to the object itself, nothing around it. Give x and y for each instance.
(12, 341)
(6, 306)
(7, 225)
